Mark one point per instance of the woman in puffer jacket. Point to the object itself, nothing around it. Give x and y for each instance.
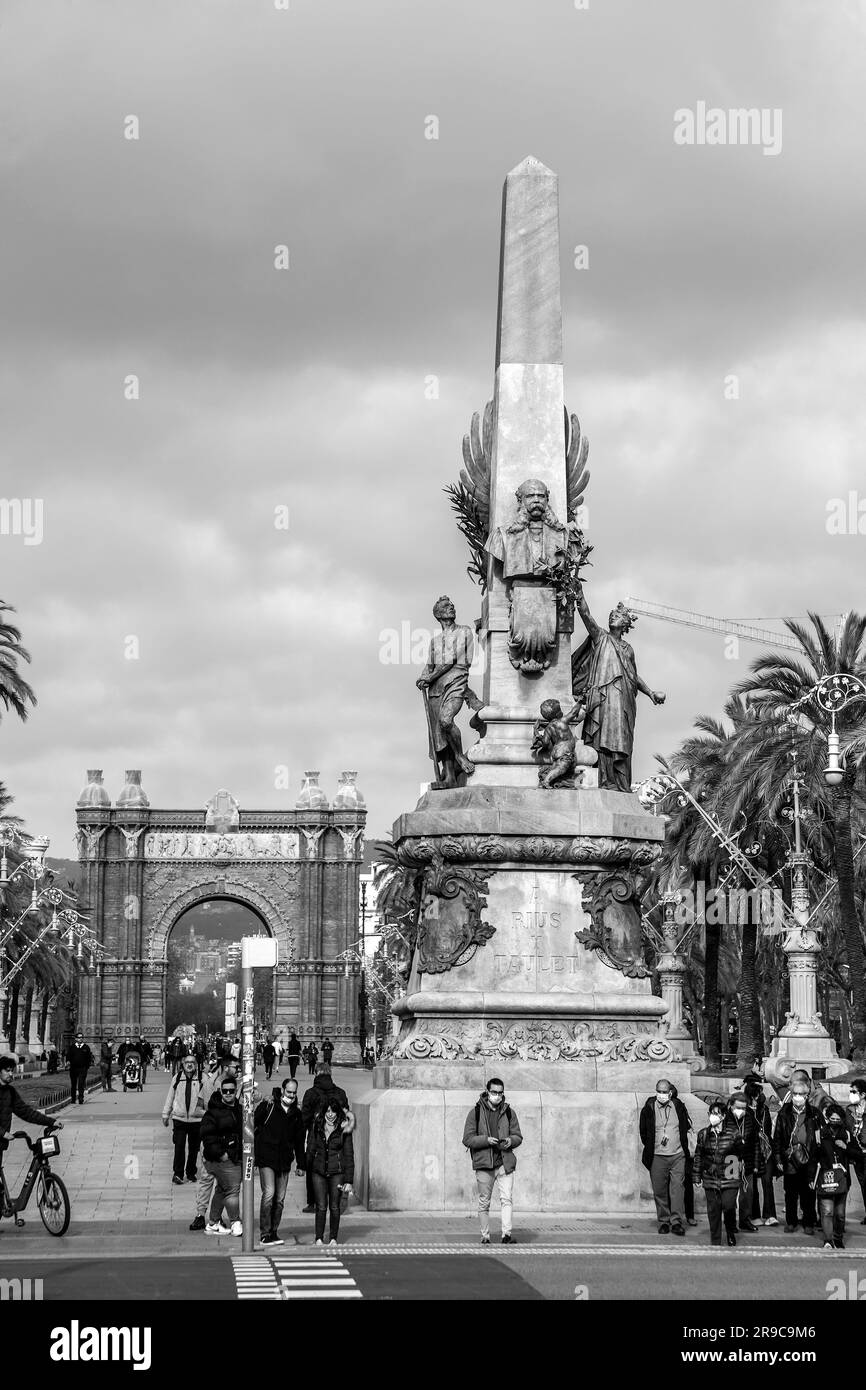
(331, 1164)
(718, 1165)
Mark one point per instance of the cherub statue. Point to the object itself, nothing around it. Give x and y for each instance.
(555, 745)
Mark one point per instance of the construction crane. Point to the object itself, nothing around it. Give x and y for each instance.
(728, 626)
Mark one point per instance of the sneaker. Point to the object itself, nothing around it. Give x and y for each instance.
(198, 1224)
(178, 1182)
(194, 1177)
(690, 1221)
(664, 1229)
(268, 1239)
(214, 1228)
(237, 1228)
(485, 1240)
(320, 1242)
(308, 1208)
(508, 1239)
(840, 1244)
(748, 1226)
(771, 1221)
(332, 1244)
(827, 1245)
(275, 1239)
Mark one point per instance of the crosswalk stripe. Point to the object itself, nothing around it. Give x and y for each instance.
(321, 1293)
(255, 1278)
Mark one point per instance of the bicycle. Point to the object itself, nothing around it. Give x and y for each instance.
(52, 1198)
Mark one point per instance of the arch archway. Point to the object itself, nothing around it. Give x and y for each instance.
(203, 957)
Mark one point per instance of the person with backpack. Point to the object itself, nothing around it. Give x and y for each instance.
(795, 1156)
(491, 1133)
(279, 1140)
(184, 1106)
(833, 1178)
(331, 1162)
(718, 1165)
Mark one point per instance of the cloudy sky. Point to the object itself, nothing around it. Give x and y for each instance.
(261, 388)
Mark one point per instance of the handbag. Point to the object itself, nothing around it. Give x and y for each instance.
(832, 1182)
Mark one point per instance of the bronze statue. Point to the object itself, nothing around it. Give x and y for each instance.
(445, 687)
(533, 552)
(556, 746)
(605, 679)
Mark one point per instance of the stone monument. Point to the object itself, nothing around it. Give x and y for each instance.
(528, 960)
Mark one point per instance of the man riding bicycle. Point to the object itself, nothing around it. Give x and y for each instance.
(12, 1104)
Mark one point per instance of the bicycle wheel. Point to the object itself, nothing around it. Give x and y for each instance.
(53, 1203)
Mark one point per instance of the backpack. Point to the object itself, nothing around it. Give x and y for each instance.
(478, 1114)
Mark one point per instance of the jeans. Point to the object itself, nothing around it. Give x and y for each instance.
(293, 1065)
(747, 1196)
(798, 1188)
(77, 1080)
(185, 1134)
(721, 1202)
(485, 1180)
(689, 1188)
(832, 1211)
(204, 1192)
(228, 1186)
(105, 1074)
(274, 1184)
(667, 1176)
(327, 1194)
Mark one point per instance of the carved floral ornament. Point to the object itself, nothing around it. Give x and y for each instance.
(613, 903)
(466, 849)
(450, 926)
(531, 1041)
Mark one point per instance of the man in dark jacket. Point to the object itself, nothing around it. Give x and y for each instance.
(664, 1131)
(221, 1141)
(12, 1104)
(315, 1099)
(491, 1133)
(327, 1050)
(280, 1140)
(269, 1056)
(746, 1126)
(293, 1051)
(106, 1056)
(80, 1060)
(796, 1157)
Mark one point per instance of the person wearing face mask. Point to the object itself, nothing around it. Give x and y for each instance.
(855, 1118)
(795, 1156)
(763, 1195)
(664, 1130)
(833, 1178)
(746, 1127)
(491, 1134)
(279, 1141)
(718, 1165)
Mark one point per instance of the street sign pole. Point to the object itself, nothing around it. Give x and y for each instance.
(261, 951)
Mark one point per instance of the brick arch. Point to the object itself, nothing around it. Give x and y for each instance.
(234, 890)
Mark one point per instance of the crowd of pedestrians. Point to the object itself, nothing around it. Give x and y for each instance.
(814, 1146)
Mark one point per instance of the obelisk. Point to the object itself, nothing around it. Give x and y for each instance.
(529, 442)
(528, 956)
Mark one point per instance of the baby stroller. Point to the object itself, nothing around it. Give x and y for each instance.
(132, 1072)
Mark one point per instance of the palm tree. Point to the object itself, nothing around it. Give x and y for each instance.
(777, 682)
(15, 693)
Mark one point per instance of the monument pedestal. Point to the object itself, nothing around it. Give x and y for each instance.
(529, 967)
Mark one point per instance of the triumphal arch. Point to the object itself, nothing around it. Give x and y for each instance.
(298, 870)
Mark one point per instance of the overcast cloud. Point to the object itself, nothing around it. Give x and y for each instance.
(259, 388)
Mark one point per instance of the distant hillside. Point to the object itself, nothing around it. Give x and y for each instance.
(64, 869)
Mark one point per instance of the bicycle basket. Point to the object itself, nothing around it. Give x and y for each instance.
(47, 1146)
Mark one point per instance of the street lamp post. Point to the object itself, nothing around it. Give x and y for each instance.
(803, 1040)
(255, 951)
(672, 968)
